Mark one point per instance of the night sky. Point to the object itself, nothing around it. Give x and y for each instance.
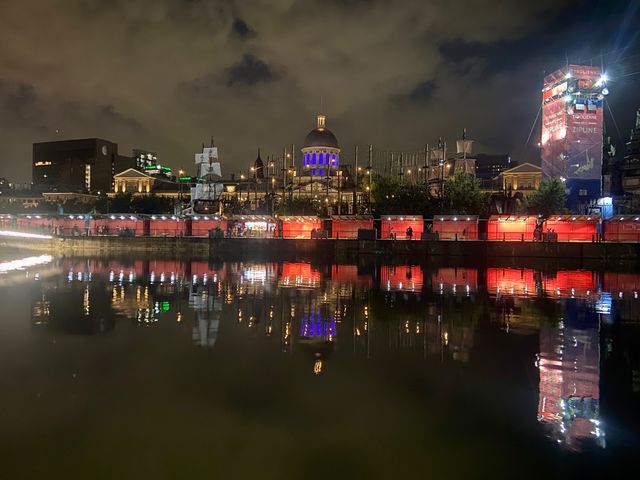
(166, 75)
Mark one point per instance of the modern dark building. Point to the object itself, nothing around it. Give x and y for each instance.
(144, 159)
(83, 165)
(631, 162)
(490, 166)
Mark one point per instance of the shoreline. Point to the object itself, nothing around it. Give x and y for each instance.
(341, 250)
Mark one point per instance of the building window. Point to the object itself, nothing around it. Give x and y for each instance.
(313, 172)
(313, 160)
(582, 192)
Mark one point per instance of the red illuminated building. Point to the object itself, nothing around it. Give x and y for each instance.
(456, 227)
(201, 225)
(300, 226)
(511, 227)
(347, 226)
(395, 226)
(573, 228)
(168, 226)
(622, 228)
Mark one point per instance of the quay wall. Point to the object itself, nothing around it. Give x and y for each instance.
(328, 249)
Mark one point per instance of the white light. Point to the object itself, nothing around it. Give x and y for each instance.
(605, 91)
(4, 233)
(24, 263)
(568, 98)
(568, 75)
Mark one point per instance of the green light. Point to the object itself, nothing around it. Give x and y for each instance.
(165, 306)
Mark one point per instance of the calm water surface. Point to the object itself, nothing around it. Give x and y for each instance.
(127, 368)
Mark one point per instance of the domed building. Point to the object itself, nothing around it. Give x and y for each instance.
(321, 151)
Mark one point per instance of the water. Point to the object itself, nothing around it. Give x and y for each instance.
(131, 368)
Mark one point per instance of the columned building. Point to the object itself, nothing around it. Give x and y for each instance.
(321, 151)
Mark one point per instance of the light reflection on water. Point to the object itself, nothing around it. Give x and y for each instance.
(344, 313)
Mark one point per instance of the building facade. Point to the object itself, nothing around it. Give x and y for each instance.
(524, 178)
(83, 165)
(572, 129)
(321, 151)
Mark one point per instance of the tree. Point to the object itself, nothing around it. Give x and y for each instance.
(393, 197)
(298, 206)
(548, 199)
(462, 195)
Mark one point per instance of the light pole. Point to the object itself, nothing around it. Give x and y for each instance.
(255, 187)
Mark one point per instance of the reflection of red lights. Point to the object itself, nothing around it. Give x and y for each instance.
(621, 282)
(569, 283)
(564, 284)
(406, 278)
(511, 281)
(299, 274)
(460, 279)
(348, 274)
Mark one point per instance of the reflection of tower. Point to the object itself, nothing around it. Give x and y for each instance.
(208, 309)
(569, 364)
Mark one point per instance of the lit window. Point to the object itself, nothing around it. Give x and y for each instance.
(313, 160)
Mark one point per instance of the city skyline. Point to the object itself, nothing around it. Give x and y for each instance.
(166, 76)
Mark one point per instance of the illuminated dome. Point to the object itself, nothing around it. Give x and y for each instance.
(321, 136)
(321, 151)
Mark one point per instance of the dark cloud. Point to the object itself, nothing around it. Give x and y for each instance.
(422, 92)
(18, 104)
(250, 71)
(168, 74)
(241, 29)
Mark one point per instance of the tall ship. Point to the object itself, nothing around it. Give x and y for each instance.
(205, 194)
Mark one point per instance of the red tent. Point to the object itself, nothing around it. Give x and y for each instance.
(116, 224)
(255, 226)
(456, 227)
(573, 228)
(622, 228)
(202, 224)
(511, 227)
(168, 226)
(398, 224)
(72, 225)
(34, 223)
(347, 226)
(299, 226)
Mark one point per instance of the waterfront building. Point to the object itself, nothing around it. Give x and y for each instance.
(572, 130)
(321, 151)
(524, 178)
(82, 165)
